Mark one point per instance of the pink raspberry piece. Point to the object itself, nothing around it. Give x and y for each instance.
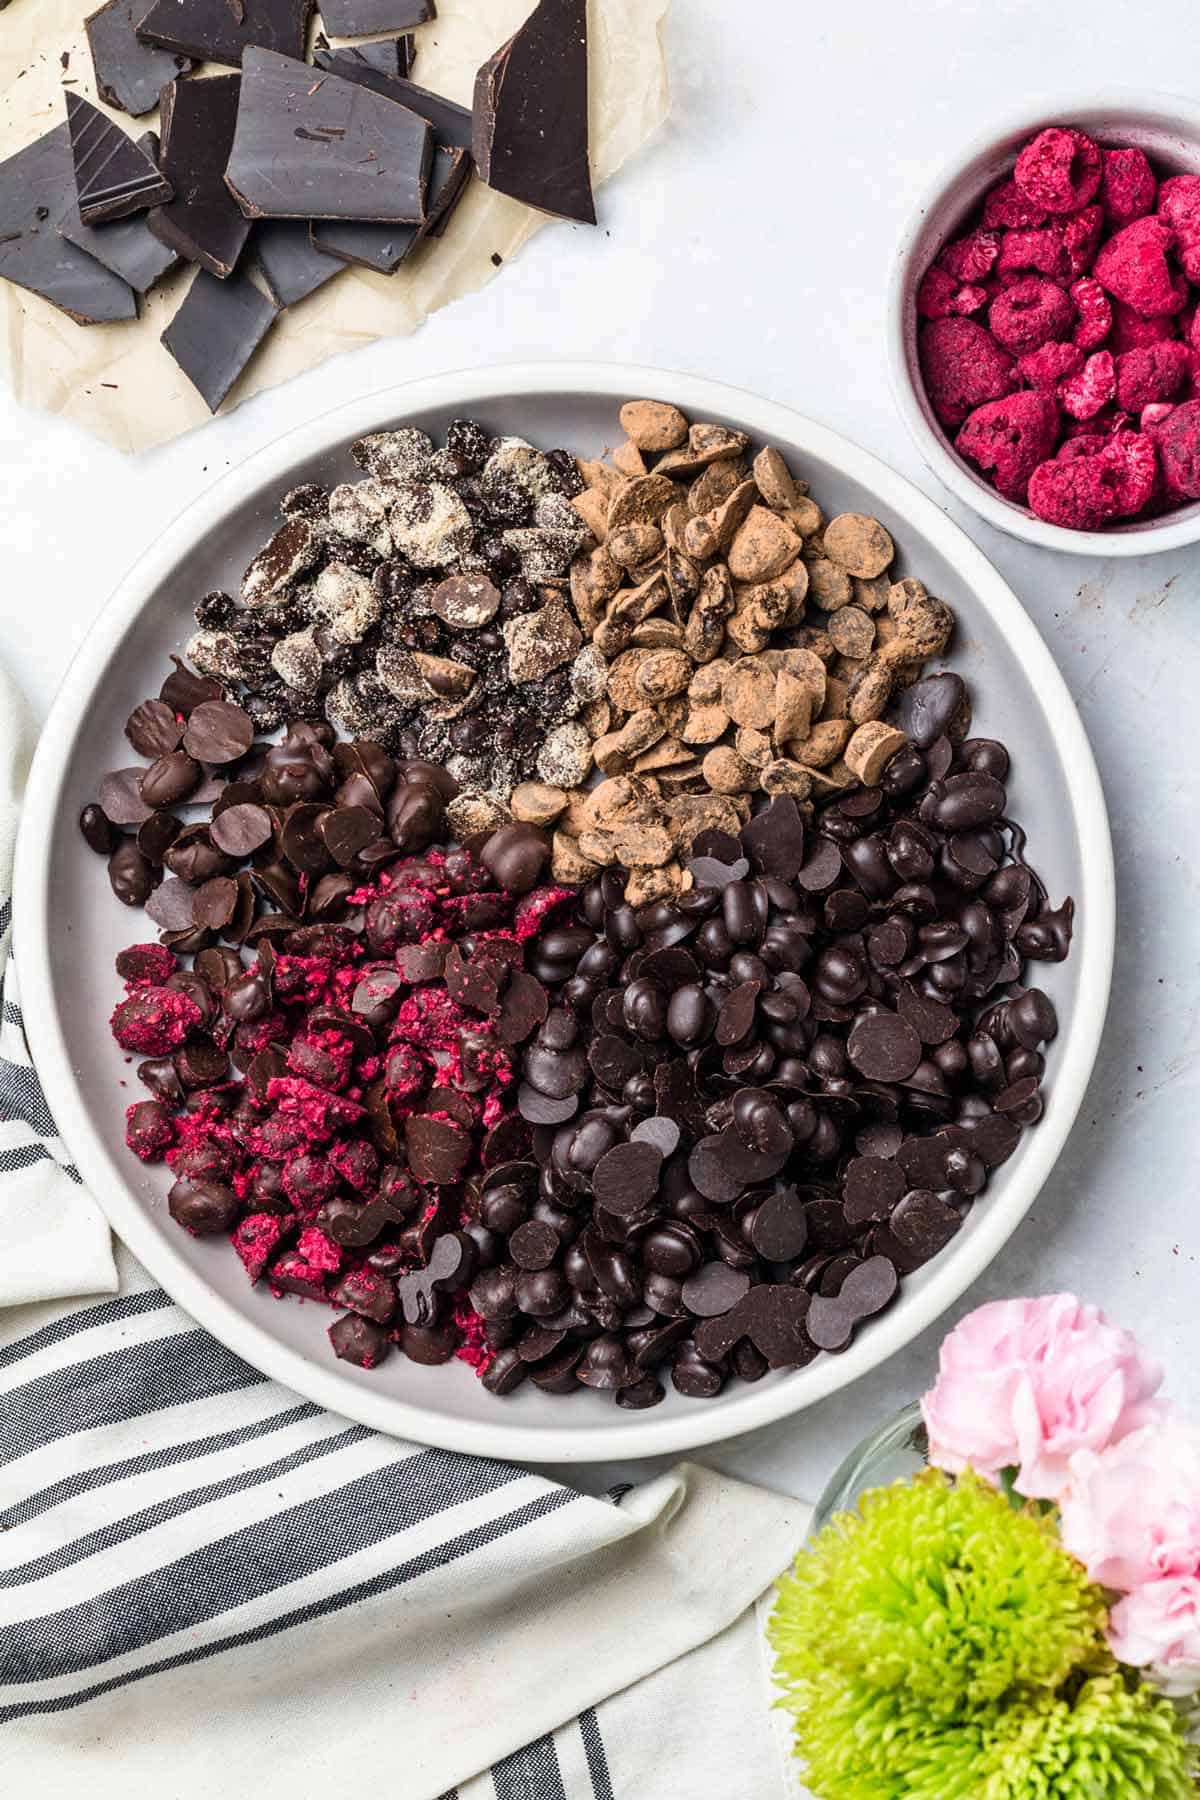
(1059, 170)
(1088, 443)
(1011, 437)
(154, 1020)
(940, 296)
(1087, 393)
(1156, 372)
(1133, 267)
(963, 366)
(972, 257)
(1081, 235)
(1131, 332)
(1050, 364)
(1128, 187)
(292, 1274)
(1032, 313)
(1132, 456)
(1155, 414)
(1179, 205)
(320, 1251)
(1177, 440)
(255, 1240)
(1007, 206)
(1042, 249)
(1094, 313)
(1091, 487)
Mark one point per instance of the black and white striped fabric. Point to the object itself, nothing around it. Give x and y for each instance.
(206, 1580)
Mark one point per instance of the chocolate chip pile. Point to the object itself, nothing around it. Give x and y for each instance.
(425, 607)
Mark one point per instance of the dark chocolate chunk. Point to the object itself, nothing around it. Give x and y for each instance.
(37, 190)
(774, 839)
(780, 1229)
(884, 1047)
(451, 122)
(363, 18)
(292, 265)
(625, 1180)
(217, 330)
(315, 146)
(129, 248)
(218, 732)
(872, 1186)
(222, 30)
(203, 222)
(384, 247)
(113, 175)
(530, 136)
(130, 75)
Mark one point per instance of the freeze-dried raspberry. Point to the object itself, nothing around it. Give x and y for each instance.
(1179, 204)
(970, 258)
(1154, 373)
(1105, 422)
(1059, 170)
(1032, 313)
(1155, 414)
(940, 296)
(1094, 310)
(1087, 393)
(1089, 488)
(1041, 249)
(1007, 206)
(1050, 364)
(1081, 235)
(1131, 332)
(1011, 437)
(963, 366)
(1178, 442)
(1133, 267)
(1128, 187)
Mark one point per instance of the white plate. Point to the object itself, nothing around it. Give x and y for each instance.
(70, 928)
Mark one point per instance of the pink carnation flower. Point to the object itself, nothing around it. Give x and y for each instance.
(1027, 1384)
(1132, 1513)
(1157, 1628)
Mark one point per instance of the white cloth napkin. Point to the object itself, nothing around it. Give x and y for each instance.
(208, 1582)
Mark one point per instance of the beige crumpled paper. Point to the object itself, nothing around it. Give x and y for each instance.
(119, 383)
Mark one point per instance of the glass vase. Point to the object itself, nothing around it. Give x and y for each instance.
(894, 1452)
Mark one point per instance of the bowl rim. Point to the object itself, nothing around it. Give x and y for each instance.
(1132, 104)
(644, 1434)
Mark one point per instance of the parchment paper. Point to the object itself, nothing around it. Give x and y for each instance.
(119, 383)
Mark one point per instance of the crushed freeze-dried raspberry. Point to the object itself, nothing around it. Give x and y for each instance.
(1128, 187)
(256, 1239)
(1087, 393)
(1081, 235)
(1011, 437)
(1041, 249)
(1032, 313)
(154, 1020)
(940, 296)
(1094, 317)
(1155, 373)
(1059, 170)
(970, 258)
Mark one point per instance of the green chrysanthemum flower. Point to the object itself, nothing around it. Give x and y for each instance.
(939, 1588)
(1116, 1739)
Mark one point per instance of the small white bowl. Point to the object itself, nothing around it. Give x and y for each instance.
(69, 928)
(1168, 130)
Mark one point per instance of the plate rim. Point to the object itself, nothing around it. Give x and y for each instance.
(643, 1435)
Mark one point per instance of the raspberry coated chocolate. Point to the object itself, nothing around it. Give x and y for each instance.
(1058, 342)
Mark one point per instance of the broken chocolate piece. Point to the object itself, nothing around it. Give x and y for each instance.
(451, 122)
(531, 113)
(220, 32)
(203, 223)
(385, 247)
(113, 176)
(130, 75)
(36, 186)
(316, 146)
(217, 330)
(129, 248)
(363, 18)
(291, 264)
(392, 58)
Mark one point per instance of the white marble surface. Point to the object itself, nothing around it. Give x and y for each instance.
(752, 243)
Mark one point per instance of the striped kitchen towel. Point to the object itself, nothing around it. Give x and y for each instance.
(208, 1583)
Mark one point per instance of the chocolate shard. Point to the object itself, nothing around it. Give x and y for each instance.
(113, 176)
(364, 18)
(203, 223)
(312, 145)
(385, 247)
(218, 31)
(217, 330)
(291, 264)
(129, 248)
(36, 187)
(531, 113)
(392, 58)
(130, 75)
(451, 123)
